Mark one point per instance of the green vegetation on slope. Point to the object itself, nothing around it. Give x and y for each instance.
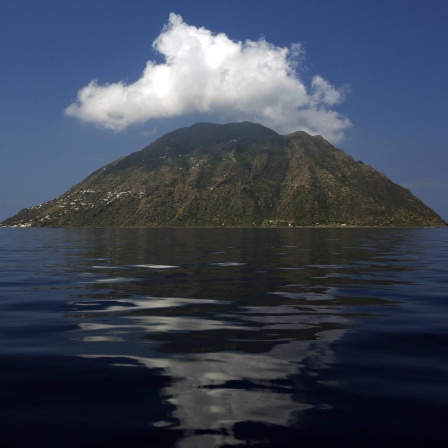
(239, 174)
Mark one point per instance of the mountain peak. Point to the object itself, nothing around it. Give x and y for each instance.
(241, 128)
(209, 133)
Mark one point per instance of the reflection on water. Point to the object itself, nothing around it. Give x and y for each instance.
(214, 391)
(254, 332)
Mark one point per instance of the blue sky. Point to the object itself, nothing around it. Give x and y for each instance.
(379, 65)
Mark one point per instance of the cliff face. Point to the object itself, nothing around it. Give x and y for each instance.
(239, 174)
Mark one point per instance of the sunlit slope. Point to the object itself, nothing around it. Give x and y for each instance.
(238, 174)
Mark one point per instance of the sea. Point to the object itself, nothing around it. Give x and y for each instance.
(198, 338)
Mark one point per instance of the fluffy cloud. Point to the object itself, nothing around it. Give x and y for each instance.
(209, 73)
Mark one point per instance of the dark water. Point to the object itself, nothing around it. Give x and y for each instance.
(223, 338)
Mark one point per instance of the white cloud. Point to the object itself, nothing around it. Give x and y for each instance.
(205, 73)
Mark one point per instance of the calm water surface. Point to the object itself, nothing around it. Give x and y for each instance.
(197, 338)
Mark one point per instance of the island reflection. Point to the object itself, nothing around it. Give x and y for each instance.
(241, 324)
